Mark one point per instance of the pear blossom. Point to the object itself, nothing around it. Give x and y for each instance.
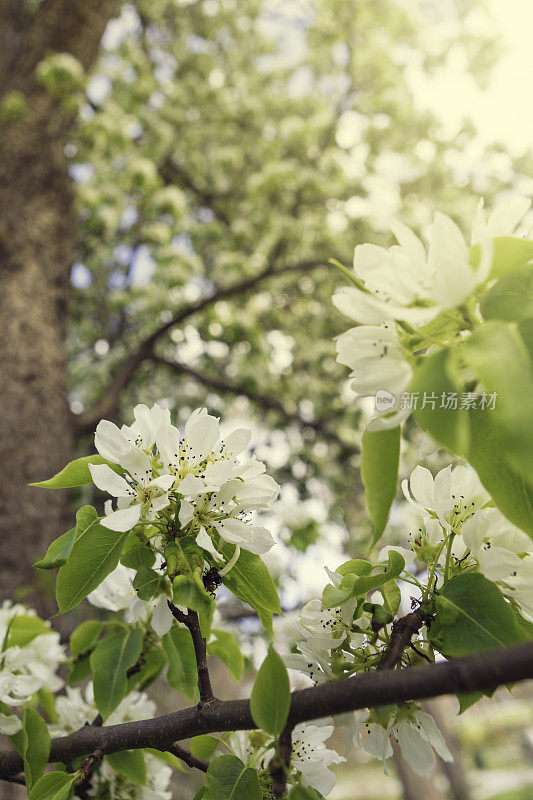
(453, 496)
(114, 444)
(141, 496)
(415, 731)
(521, 587)
(377, 361)
(312, 759)
(24, 670)
(502, 220)
(495, 543)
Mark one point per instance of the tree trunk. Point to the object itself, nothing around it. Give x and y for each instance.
(37, 240)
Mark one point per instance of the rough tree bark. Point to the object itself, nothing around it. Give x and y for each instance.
(37, 238)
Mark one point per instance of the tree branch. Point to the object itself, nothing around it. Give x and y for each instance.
(265, 401)
(402, 631)
(187, 757)
(190, 619)
(479, 672)
(107, 406)
(280, 764)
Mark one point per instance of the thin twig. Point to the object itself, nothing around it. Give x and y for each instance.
(190, 619)
(187, 757)
(402, 631)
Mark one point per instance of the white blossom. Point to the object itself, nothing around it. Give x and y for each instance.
(311, 758)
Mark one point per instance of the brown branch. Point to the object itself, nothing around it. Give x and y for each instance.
(479, 672)
(108, 404)
(190, 619)
(264, 401)
(281, 762)
(402, 631)
(187, 757)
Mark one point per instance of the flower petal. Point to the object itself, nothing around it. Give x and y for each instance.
(123, 520)
(108, 481)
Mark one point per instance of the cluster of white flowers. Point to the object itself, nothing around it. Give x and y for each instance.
(76, 709)
(195, 479)
(310, 757)
(454, 503)
(404, 288)
(27, 667)
(413, 729)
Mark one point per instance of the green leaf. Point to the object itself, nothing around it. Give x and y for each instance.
(76, 473)
(136, 553)
(358, 566)
(48, 702)
(271, 695)
(334, 596)
(367, 583)
(392, 596)
(95, 553)
(510, 253)
(380, 457)
(179, 650)
(79, 671)
(200, 794)
(146, 583)
(473, 616)
(226, 647)
(511, 298)
(304, 793)
(54, 786)
(23, 628)
(85, 636)
(110, 660)
(500, 359)
(58, 552)
(468, 699)
(204, 746)
(153, 662)
(433, 379)
(250, 581)
(35, 746)
(228, 779)
(129, 763)
(189, 591)
(508, 488)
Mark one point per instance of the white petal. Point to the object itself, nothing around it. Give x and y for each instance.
(238, 440)
(204, 540)
(191, 485)
(186, 512)
(506, 216)
(123, 520)
(110, 441)
(108, 481)
(433, 735)
(202, 436)
(9, 724)
(416, 751)
(163, 482)
(162, 618)
(138, 464)
(422, 487)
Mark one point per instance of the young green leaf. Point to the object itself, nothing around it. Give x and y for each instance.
(84, 637)
(110, 661)
(23, 628)
(390, 572)
(511, 298)
(54, 786)
(334, 596)
(182, 671)
(228, 779)
(146, 582)
(35, 746)
(76, 473)
(136, 553)
(271, 695)
(204, 746)
(473, 616)
(392, 596)
(129, 763)
(95, 553)
(226, 647)
(380, 457)
(58, 552)
(250, 581)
